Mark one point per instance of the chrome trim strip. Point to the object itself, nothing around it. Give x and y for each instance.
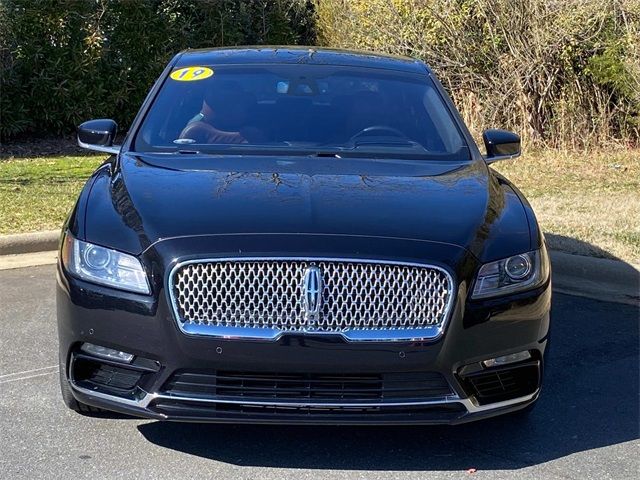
(241, 333)
(500, 158)
(147, 398)
(141, 402)
(437, 401)
(114, 149)
(272, 334)
(473, 407)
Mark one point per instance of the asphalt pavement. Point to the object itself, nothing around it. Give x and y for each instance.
(586, 424)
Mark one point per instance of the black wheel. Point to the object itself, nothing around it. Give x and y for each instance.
(70, 401)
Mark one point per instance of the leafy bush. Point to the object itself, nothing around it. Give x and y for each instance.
(562, 73)
(65, 61)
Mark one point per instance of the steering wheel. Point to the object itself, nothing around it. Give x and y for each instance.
(378, 128)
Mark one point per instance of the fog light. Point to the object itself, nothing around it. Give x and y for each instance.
(105, 352)
(507, 359)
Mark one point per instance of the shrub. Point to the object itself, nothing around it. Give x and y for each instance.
(64, 61)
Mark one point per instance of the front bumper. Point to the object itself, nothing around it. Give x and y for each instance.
(145, 327)
(450, 409)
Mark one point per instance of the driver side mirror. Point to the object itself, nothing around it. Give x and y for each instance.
(501, 145)
(98, 135)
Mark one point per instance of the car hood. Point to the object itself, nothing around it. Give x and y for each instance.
(153, 197)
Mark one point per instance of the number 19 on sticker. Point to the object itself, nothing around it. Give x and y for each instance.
(191, 74)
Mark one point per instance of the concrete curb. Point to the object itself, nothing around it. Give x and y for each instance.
(22, 260)
(598, 278)
(29, 242)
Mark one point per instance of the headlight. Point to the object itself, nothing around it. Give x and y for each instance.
(513, 274)
(104, 266)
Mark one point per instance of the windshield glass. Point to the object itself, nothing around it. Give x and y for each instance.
(300, 109)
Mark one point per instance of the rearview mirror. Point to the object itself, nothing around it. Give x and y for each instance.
(98, 135)
(501, 145)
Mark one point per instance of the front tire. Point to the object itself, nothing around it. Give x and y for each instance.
(70, 401)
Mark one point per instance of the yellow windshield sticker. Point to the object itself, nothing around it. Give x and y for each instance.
(190, 74)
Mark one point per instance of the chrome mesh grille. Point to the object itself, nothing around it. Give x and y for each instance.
(268, 294)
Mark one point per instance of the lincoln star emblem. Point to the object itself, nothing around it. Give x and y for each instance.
(311, 292)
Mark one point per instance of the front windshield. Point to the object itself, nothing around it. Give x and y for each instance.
(301, 109)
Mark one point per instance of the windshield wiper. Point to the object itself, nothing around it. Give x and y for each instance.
(386, 142)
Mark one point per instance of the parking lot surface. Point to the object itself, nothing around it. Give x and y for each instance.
(586, 424)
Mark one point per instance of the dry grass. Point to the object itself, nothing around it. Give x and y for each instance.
(586, 202)
(561, 73)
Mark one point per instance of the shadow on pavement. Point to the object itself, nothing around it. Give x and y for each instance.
(590, 400)
(576, 247)
(586, 270)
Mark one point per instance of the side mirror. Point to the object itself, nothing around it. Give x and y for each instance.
(98, 135)
(501, 145)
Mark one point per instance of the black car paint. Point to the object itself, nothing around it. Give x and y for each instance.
(463, 205)
(167, 209)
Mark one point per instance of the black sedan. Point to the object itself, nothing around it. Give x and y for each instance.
(295, 235)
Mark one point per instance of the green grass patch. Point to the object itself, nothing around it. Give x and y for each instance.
(37, 193)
